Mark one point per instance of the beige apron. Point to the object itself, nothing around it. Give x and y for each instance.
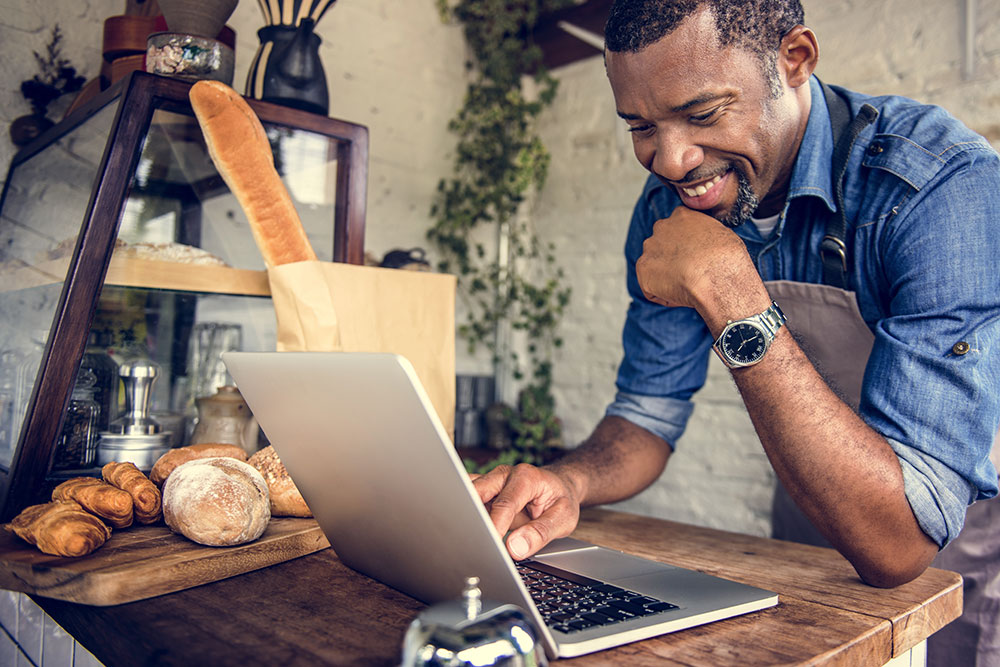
(828, 326)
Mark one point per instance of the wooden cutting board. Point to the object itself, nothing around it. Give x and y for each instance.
(145, 561)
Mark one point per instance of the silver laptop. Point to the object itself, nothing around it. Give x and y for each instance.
(363, 443)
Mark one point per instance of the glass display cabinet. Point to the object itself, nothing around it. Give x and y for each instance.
(119, 241)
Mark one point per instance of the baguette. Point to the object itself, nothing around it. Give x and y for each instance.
(175, 457)
(147, 503)
(98, 497)
(241, 152)
(60, 528)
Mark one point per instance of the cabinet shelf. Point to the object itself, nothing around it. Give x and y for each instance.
(149, 274)
(175, 276)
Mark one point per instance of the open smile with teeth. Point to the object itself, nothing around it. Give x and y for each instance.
(701, 188)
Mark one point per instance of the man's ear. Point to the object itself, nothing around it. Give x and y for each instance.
(798, 55)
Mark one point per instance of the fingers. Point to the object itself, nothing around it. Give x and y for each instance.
(558, 520)
(489, 485)
(534, 504)
(510, 491)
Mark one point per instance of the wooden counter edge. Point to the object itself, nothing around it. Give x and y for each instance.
(909, 628)
(912, 621)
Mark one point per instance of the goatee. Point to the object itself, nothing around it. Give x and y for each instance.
(746, 202)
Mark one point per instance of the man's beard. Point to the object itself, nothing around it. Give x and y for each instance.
(746, 202)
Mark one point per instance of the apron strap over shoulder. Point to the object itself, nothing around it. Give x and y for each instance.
(833, 250)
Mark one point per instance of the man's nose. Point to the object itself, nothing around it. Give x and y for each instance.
(676, 156)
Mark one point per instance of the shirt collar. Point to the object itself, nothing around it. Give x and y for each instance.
(812, 174)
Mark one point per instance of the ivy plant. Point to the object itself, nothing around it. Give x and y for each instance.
(499, 162)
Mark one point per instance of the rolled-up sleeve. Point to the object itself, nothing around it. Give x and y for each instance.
(932, 384)
(660, 415)
(937, 494)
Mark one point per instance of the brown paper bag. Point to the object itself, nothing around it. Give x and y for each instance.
(328, 306)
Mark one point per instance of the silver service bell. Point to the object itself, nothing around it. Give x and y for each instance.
(458, 634)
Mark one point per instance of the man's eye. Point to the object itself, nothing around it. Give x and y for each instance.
(640, 129)
(705, 118)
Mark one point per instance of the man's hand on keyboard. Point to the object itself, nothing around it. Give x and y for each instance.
(534, 504)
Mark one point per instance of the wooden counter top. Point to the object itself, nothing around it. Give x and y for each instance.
(315, 611)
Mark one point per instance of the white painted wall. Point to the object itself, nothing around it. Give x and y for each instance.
(392, 65)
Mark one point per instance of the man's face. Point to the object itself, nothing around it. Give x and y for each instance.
(704, 120)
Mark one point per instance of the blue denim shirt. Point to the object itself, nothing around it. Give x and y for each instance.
(922, 198)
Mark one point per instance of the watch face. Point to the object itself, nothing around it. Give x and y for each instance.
(744, 344)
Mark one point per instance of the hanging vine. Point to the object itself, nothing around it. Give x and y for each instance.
(499, 162)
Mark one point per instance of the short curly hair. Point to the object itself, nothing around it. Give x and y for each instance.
(755, 25)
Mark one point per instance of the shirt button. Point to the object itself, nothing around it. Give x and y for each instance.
(875, 148)
(961, 347)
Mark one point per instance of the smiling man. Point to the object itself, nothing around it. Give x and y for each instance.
(838, 252)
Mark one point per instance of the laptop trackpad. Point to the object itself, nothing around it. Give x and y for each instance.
(601, 563)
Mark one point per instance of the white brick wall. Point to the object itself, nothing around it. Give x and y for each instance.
(393, 66)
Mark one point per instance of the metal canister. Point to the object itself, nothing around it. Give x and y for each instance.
(461, 634)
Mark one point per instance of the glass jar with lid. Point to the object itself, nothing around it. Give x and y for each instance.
(78, 442)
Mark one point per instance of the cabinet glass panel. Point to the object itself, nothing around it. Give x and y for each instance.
(184, 334)
(187, 280)
(179, 208)
(43, 207)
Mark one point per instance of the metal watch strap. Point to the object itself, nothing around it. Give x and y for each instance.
(772, 319)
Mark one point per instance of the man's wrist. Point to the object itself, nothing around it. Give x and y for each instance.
(735, 296)
(573, 478)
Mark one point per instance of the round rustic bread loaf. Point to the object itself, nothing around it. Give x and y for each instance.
(217, 501)
(285, 497)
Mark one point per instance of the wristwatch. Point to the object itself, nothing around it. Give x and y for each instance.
(744, 342)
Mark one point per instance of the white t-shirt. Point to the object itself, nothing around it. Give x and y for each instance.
(766, 225)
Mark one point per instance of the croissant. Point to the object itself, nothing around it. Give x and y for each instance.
(147, 503)
(100, 498)
(60, 528)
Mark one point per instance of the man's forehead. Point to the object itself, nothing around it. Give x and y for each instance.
(674, 77)
(694, 39)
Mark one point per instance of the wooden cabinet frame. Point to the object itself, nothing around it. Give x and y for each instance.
(137, 97)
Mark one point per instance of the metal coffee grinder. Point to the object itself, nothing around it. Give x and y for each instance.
(135, 436)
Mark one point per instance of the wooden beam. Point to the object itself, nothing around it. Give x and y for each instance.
(560, 47)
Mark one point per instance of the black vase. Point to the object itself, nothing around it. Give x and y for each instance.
(287, 69)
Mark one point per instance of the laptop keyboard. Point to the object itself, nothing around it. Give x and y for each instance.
(569, 602)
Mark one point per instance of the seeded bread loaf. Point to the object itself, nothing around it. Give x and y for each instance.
(285, 497)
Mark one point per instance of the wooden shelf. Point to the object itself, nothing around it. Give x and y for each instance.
(151, 274)
(148, 274)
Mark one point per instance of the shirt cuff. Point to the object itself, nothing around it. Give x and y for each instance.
(937, 494)
(662, 416)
